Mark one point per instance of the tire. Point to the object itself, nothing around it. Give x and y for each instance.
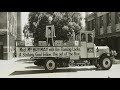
(105, 63)
(50, 65)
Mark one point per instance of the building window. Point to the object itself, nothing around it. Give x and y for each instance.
(108, 19)
(93, 24)
(101, 21)
(3, 20)
(117, 20)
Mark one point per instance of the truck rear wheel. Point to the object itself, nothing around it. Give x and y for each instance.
(106, 63)
(50, 65)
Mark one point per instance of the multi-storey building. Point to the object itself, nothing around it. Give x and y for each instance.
(107, 28)
(8, 34)
(19, 29)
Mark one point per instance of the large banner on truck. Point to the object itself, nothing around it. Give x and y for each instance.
(48, 51)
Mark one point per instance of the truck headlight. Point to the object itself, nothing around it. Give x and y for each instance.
(113, 53)
(108, 54)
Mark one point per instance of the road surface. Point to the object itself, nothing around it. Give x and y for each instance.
(26, 69)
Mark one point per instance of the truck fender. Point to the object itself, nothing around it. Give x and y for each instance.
(104, 55)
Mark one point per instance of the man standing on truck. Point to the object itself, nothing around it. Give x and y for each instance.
(50, 32)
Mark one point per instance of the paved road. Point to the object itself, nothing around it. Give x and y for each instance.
(26, 69)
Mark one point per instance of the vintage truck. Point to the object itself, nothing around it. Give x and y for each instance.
(82, 50)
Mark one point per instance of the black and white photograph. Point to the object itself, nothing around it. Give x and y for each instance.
(59, 44)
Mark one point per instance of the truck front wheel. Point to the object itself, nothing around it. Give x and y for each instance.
(50, 65)
(106, 63)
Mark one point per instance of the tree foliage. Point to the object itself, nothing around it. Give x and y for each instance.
(64, 23)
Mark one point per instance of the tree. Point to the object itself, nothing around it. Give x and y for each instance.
(64, 22)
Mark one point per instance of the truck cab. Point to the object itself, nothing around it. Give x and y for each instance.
(87, 44)
(88, 47)
(97, 55)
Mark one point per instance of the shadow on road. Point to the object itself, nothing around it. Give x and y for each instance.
(42, 71)
(34, 67)
(23, 60)
(27, 72)
(28, 62)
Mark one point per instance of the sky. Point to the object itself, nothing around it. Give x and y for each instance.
(24, 17)
(24, 20)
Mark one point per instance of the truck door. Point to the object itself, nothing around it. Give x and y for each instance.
(90, 45)
(83, 44)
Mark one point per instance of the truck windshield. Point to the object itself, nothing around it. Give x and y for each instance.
(90, 39)
(83, 37)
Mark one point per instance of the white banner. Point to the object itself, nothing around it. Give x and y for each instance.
(48, 51)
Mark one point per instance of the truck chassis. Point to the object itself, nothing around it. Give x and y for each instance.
(104, 62)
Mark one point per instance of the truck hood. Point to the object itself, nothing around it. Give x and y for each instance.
(103, 49)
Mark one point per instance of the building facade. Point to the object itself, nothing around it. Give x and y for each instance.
(107, 29)
(8, 34)
(19, 29)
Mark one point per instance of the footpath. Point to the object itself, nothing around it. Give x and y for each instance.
(116, 61)
(7, 67)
